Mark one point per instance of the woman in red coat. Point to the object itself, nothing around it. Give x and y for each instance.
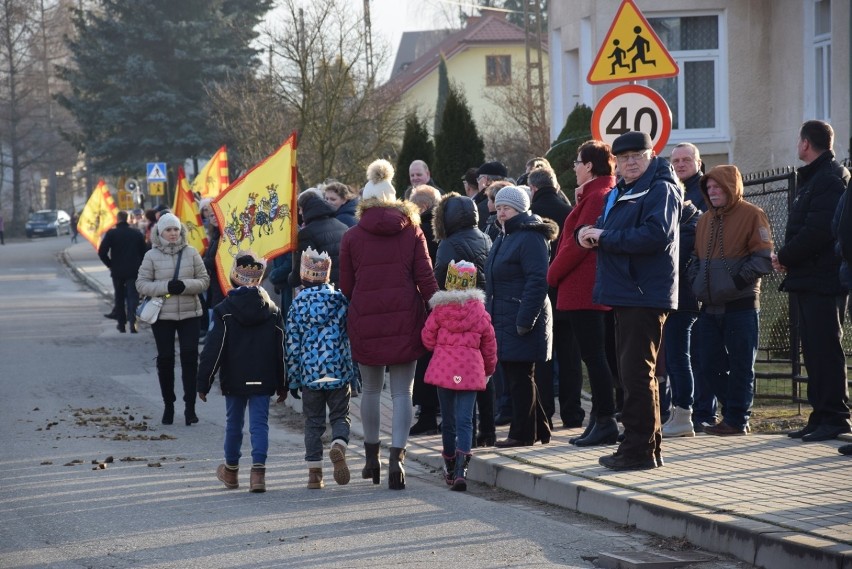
(386, 273)
(572, 272)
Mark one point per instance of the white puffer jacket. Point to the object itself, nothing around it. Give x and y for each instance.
(158, 268)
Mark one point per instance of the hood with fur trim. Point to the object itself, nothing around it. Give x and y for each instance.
(443, 297)
(527, 221)
(454, 213)
(386, 218)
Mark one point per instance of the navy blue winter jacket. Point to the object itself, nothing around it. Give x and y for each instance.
(516, 289)
(638, 249)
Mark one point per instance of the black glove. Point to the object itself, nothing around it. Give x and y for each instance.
(176, 287)
(296, 393)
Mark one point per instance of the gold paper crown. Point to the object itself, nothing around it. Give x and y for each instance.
(460, 275)
(315, 266)
(248, 269)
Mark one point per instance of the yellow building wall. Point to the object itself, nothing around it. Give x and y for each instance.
(467, 68)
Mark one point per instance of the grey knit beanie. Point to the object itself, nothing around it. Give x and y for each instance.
(513, 197)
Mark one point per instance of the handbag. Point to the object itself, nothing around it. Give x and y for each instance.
(149, 308)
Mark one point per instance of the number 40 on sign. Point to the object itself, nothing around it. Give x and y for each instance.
(633, 108)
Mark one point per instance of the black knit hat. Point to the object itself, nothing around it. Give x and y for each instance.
(492, 169)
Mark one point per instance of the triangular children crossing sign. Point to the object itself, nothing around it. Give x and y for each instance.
(631, 51)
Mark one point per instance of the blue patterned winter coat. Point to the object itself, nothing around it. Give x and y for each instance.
(317, 343)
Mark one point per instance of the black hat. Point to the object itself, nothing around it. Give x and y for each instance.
(494, 169)
(631, 141)
(470, 176)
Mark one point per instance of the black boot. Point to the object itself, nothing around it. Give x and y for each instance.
(449, 469)
(189, 414)
(372, 466)
(169, 414)
(460, 482)
(427, 424)
(396, 472)
(586, 432)
(605, 432)
(486, 439)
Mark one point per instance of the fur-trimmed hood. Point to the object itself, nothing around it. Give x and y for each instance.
(386, 218)
(453, 213)
(443, 297)
(527, 221)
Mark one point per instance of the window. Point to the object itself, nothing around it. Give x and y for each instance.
(696, 95)
(822, 59)
(498, 70)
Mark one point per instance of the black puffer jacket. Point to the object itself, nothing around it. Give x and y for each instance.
(246, 344)
(550, 203)
(808, 251)
(122, 250)
(455, 227)
(322, 232)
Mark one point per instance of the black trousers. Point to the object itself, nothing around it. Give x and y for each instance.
(592, 347)
(821, 329)
(164, 337)
(529, 421)
(566, 359)
(638, 334)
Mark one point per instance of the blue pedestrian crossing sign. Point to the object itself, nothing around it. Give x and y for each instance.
(157, 172)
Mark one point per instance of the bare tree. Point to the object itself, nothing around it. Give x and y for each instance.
(30, 147)
(522, 130)
(319, 70)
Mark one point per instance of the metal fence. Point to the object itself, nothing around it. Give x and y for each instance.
(779, 365)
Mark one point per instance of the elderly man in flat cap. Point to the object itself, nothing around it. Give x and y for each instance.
(637, 275)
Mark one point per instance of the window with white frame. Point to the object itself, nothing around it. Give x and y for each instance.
(822, 58)
(696, 95)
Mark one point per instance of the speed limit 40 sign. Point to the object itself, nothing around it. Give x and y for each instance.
(633, 108)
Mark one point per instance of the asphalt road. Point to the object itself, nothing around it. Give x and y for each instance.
(91, 479)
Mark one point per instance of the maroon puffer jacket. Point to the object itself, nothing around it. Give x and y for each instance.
(386, 273)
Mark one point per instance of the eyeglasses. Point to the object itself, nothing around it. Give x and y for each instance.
(578, 162)
(481, 177)
(635, 156)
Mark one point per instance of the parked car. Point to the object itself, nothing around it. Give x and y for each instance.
(48, 222)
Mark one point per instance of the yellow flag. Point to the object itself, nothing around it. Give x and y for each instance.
(213, 179)
(98, 216)
(256, 212)
(186, 208)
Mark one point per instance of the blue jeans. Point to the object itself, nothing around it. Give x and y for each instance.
(235, 412)
(456, 420)
(676, 338)
(728, 344)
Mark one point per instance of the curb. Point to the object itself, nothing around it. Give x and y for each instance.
(759, 543)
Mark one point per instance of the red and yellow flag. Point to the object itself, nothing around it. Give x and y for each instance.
(258, 211)
(186, 208)
(98, 216)
(213, 178)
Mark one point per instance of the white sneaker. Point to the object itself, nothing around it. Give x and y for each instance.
(680, 423)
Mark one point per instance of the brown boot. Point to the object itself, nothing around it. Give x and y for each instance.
(315, 476)
(227, 474)
(372, 466)
(396, 473)
(337, 454)
(258, 478)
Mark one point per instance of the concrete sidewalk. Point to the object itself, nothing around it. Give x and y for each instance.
(765, 499)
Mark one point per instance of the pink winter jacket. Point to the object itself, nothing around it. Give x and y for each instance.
(460, 334)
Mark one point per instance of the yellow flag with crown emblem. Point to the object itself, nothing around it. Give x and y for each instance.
(186, 208)
(257, 212)
(214, 177)
(98, 216)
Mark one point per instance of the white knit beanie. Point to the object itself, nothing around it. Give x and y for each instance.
(379, 175)
(513, 197)
(167, 220)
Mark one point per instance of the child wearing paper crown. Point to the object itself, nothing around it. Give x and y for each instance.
(319, 362)
(246, 345)
(460, 335)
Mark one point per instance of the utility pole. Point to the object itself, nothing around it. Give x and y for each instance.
(535, 71)
(368, 42)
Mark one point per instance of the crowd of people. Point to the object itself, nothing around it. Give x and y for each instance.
(480, 308)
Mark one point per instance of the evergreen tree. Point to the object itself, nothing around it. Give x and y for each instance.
(577, 130)
(516, 16)
(443, 90)
(139, 74)
(415, 146)
(458, 146)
